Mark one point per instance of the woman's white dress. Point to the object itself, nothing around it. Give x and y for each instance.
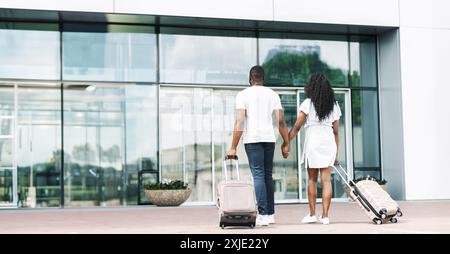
(320, 148)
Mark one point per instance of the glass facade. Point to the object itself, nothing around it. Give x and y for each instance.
(7, 108)
(289, 62)
(285, 171)
(29, 54)
(109, 53)
(366, 146)
(205, 59)
(131, 105)
(186, 138)
(363, 55)
(223, 122)
(365, 118)
(30, 143)
(108, 132)
(337, 183)
(39, 144)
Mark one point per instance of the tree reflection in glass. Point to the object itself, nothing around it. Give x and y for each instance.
(290, 62)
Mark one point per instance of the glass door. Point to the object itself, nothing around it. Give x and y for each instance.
(224, 101)
(186, 139)
(94, 165)
(8, 162)
(285, 171)
(39, 144)
(345, 158)
(109, 136)
(196, 128)
(29, 144)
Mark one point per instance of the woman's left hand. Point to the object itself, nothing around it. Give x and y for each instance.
(336, 161)
(285, 150)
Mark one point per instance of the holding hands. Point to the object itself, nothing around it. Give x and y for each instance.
(285, 149)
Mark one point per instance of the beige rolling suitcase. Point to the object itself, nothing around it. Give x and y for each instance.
(235, 199)
(369, 195)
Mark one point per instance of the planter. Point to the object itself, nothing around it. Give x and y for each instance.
(167, 197)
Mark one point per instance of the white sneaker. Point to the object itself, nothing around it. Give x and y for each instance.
(271, 218)
(324, 221)
(261, 220)
(309, 219)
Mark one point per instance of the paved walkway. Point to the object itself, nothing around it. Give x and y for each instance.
(419, 217)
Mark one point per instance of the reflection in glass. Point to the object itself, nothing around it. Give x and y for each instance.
(6, 126)
(289, 62)
(224, 117)
(206, 59)
(6, 186)
(147, 178)
(29, 54)
(141, 138)
(365, 172)
(6, 103)
(6, 152)
(108, 130)
(363, 62)
(6, 143)
(365, 129)
(285, 171)
(109, 56)
(336, 181)
(39, 145)
(185, 129)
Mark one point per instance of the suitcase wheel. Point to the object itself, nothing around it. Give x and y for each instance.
(222, 226)
(252, 225)
(399, 213)
(377, 221)
(393, 220)
(383, 213)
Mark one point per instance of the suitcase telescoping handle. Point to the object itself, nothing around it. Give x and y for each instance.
(224, 168)
(343, 174)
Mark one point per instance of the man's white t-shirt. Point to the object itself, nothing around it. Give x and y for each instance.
(259, 103)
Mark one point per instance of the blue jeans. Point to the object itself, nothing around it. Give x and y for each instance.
(260, 158)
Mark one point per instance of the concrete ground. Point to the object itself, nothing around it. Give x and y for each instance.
(419, 217)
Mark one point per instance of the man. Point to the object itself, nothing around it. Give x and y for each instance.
(255, 106)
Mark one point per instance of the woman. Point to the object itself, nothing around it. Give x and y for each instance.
(320, 113)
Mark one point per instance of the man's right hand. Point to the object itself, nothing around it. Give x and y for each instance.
(232, 152)
(285, 149)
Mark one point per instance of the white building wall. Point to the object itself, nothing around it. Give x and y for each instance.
(234, 9)
(357, 12)
(425, 66)
(61, 5)
(354, 12)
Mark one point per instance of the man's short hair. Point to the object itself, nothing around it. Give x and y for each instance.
(257, 73)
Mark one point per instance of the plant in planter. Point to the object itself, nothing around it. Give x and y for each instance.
(168, 193)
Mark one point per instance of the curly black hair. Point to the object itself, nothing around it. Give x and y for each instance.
(321, 94)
